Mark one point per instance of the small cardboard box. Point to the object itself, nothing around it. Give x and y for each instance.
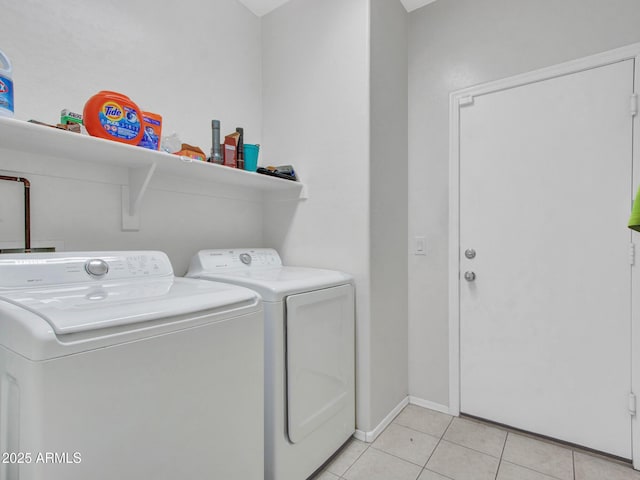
(68, 117)
(152, 124)
(192, 152)
(231, 150)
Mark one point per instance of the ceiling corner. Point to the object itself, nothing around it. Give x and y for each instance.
(262, 7)
(411, 5)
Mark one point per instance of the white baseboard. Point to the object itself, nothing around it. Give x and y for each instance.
(370, 436)
(373, 434)
(360, 435)
(429, 404)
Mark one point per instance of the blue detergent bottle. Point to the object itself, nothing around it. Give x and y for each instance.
(6, 87)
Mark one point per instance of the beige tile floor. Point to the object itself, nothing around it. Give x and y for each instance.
(422, 444)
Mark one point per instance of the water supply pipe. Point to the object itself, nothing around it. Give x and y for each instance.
(27, 209)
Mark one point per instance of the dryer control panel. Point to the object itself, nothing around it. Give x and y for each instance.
(35, 269)
(233, 259)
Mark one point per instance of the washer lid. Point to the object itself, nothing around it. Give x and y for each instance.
(75, 308)
(273, 284)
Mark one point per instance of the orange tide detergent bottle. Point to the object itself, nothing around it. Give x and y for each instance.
(113, 116)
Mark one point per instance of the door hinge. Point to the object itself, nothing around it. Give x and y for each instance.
(634, 104)
(632, 404)
(632, 254)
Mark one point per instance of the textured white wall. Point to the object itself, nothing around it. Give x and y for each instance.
(190, 62)
(455, 44)
(316, 117)
(388, 197)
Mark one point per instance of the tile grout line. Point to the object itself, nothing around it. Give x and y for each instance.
(357, 458)
(501, 459)
(472, 449)
(524, 467)
(448, 427)
(396, 456)
(422, 431)
(506, 437)
(424, 467)
(442, 475)
(533, 470)
(549, 441)
(436, 447)
(469, 448)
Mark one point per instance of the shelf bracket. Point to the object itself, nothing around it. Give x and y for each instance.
(132, 195)
(304, 193)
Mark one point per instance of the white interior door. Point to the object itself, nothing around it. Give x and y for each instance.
(545, 191)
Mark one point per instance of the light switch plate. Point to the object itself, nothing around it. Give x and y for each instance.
(419, 246)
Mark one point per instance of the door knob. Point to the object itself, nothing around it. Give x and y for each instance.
(469, 276)
(470, 253)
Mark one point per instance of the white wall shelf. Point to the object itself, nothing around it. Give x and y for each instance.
(17, 135)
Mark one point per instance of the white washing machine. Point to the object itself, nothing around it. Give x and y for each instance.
(112, 368)
(309, 355)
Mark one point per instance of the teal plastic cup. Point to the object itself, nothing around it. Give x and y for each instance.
(251, 157)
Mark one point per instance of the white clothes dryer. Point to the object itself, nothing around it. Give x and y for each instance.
(112, 368)
(309, 354)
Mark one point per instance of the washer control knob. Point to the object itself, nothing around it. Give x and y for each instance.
(245, 258)
(96, 267)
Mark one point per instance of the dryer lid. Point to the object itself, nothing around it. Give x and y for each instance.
(274, 284)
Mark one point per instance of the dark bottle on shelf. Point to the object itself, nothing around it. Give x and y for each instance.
(216, 152)
(240, 158)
